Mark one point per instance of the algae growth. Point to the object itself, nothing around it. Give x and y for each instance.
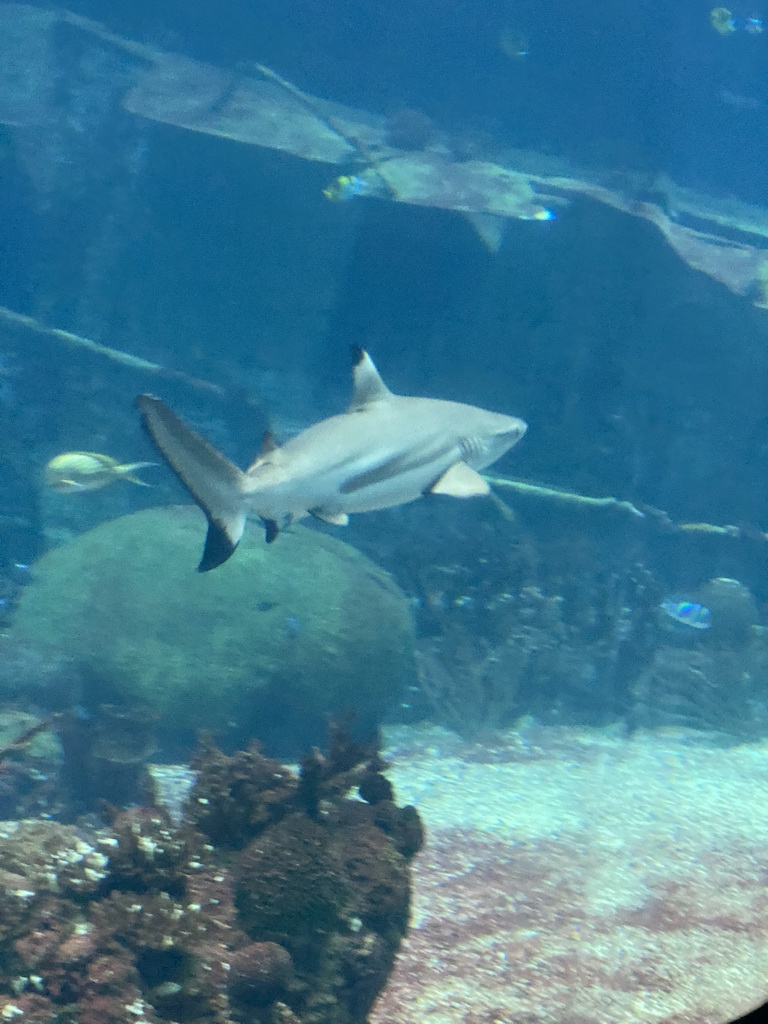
(271, 643)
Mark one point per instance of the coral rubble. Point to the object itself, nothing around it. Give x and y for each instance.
(275, 899)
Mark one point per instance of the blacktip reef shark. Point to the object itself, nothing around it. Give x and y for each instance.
(385, 450)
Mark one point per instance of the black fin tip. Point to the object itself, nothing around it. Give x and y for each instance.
(218, 547)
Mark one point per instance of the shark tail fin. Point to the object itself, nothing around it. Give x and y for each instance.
(214, 482)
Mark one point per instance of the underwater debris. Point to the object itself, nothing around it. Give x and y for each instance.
(644, 514)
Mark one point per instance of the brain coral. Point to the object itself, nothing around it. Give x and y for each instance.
(277, 638)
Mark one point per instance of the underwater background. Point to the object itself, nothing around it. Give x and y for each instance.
(552, 211)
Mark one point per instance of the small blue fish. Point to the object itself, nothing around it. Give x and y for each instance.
(540, 214)
(687, 613)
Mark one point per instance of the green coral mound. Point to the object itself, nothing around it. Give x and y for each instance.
(274, 640)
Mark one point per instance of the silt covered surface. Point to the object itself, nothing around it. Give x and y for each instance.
(581, 878)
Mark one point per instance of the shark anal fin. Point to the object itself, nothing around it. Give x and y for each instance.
(460, 481)
(218, 547)
(334, 518)
(271, 530)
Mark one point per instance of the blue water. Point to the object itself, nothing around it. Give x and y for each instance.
(640, 377)
(630, 332)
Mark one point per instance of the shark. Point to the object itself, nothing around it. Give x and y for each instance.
(385, 450)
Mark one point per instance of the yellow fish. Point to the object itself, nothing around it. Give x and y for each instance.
(88, 471)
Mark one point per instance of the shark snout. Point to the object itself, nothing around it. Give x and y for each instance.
(517, 430)
(510, 433)
(506, 437)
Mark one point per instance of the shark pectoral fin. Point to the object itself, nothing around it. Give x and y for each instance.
(334, 518)
(214, 482)
(460, 481)
(368, 385)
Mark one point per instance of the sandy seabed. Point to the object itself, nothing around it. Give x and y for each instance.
(582, 877)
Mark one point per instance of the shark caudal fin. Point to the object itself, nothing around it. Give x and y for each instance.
(213, 481)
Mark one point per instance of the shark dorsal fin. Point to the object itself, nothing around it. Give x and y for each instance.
(368, 385)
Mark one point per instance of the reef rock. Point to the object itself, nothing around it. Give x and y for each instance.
(280, 636)
(291, 915)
